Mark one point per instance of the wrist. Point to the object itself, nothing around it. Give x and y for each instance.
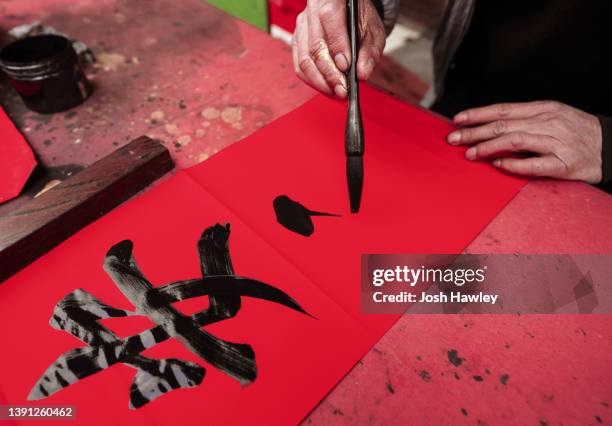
(595, 174)
(605, 149)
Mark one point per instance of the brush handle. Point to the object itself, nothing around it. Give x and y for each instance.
(354, 123)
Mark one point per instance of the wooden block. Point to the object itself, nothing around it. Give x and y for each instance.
(45, 221)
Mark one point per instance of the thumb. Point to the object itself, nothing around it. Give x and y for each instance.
(370, 51)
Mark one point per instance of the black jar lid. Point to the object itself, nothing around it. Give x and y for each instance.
(36, 57)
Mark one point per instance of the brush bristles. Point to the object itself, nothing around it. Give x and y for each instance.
(354, 178)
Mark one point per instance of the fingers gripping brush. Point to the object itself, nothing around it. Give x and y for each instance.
(354, 124)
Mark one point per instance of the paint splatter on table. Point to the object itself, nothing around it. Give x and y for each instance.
(185, 73)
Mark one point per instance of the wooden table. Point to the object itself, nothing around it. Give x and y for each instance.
(200, 80)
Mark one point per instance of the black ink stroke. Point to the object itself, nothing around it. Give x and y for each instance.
(294, 216)
(79, 313)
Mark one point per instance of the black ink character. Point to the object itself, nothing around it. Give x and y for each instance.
(79, 314)
(294, 216)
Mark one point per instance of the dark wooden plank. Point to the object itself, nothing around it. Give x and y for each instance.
(46, 221)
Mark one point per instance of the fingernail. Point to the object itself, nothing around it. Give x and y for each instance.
(470, 154)
(462, 116)
(341, 62)
(340, 91)
(454, 138)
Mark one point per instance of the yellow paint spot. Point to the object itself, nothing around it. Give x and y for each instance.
(149, 41)
(202, 156)
(184, 140)
(206, 123)
(231, 115)
(157, 115)
(109, 61)
(210, 113)
(120, 18)
(172, 129)
(199, 133)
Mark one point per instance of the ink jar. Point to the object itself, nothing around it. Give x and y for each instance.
(45, 71)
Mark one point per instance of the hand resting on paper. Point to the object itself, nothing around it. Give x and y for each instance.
(561, 142)
(320, 45)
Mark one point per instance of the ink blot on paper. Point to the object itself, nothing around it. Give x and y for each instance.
(294, 216)
(79, 314)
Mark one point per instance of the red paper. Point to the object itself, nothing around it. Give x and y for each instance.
(16, 159)
(420, 196)
(283, 13)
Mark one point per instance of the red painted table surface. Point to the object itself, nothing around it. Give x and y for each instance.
(200, 80)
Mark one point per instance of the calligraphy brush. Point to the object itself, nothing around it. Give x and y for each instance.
(354, 124)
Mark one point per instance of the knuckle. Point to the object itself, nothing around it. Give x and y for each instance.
(554, 106)
(499, 127)
(517, 141)
(466, 135)
(305, 64)
(327, 70)
(548, 116)
(503, 109)
(317, 48)
(327, 11)
(555, 123)
(540, 105)
(375, 54)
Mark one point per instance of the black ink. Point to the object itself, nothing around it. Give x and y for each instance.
(504, 379)
(294, 216)
(424, 374)
(214, 251)
(453, 358)
(79, 314)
